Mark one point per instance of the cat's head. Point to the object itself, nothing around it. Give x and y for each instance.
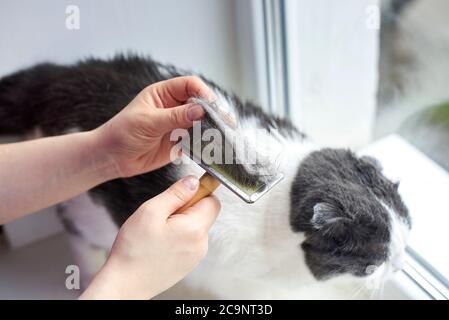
(352, 216)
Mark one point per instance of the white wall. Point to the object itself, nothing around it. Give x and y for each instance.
(195, 34)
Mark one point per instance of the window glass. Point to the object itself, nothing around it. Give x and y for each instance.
(413, 102)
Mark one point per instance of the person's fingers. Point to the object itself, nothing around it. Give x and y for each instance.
(174, 92)
(173, 198)
(204, 212)
(183, 116)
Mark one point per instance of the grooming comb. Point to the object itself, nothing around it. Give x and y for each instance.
(230, 159)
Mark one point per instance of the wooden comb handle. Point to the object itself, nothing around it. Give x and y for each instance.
(207, 186)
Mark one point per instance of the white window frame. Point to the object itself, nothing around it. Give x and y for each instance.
(262, 53)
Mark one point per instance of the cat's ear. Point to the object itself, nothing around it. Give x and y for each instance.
(396, 185)
(373, 161)
(326, 215)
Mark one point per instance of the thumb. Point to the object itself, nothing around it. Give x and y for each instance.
(183, 116)
(166, 203)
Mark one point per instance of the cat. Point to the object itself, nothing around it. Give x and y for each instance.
(333, 219)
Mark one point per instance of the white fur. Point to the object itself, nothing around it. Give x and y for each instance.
(91, 220)
(380, 274)
(399, 232)
(95, 234)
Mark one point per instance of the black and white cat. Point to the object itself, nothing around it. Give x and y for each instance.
(333, 219)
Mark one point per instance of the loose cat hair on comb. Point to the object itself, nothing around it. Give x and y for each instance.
(238, 159)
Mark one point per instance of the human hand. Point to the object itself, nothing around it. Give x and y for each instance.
(155, 247)
(137, 139)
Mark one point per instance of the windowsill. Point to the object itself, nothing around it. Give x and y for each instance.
(37, 270)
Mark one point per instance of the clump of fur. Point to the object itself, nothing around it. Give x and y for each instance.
(245, 165)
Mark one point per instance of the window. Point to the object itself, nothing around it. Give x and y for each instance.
(371, 75)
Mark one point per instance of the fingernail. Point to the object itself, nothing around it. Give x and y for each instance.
(195, 112)
(191, 182)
